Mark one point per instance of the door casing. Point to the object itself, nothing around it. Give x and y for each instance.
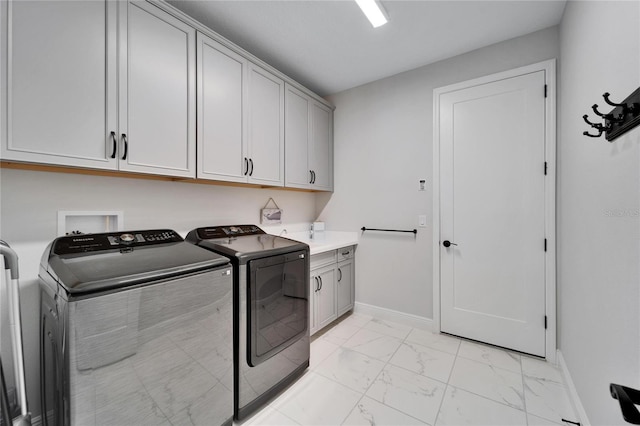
(549, 67)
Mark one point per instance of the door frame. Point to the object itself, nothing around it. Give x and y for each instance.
(549, 66)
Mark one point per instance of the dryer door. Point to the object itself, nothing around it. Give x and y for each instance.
(277, 304)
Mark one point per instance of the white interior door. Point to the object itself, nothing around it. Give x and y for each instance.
(492, 210)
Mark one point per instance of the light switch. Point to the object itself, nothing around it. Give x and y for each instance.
(422, 220)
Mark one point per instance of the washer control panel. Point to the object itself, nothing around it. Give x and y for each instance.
(113, 240)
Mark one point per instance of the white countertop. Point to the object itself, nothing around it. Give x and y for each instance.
(325, 240)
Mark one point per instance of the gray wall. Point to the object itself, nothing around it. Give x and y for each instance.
(383, 147)
(29, 202)
(598, 202)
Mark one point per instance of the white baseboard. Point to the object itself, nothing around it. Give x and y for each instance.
(578, 408)
(395, 316)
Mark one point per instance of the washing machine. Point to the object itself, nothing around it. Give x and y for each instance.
(271, 309)
(136, 328)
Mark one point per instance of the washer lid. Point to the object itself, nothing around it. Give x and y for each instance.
(95, 262)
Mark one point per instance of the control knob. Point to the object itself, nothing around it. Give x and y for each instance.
(127, 238)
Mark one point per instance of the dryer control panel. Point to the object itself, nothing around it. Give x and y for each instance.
(113, 240)
(215, 232)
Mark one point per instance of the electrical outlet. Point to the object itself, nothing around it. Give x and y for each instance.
(422, 220)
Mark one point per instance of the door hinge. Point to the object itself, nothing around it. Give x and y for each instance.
(545, 90)
(545, 322)
(546, 166)
(545, 244)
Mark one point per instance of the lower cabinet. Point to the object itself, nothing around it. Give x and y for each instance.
(345, 287)
(323, 286)
(332, 286)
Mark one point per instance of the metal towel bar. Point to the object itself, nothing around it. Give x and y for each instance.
(413, 231)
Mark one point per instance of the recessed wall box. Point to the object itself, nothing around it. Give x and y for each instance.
(88, 222)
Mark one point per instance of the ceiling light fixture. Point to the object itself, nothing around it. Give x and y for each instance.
(373, 11)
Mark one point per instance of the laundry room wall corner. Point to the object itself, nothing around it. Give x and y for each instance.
(598, 205)
(385, 128)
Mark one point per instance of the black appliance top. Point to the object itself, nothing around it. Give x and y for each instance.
(243, 242)
(89, 263)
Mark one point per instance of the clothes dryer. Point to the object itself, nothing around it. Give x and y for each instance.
(271, 309)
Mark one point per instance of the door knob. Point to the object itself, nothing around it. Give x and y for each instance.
(448, 243)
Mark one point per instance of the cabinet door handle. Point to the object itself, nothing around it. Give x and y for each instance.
(320, 278)
(346, 253)
(126, 146)
(340, 272)
(115, 144)
(246, 166)
(310, 176)
(317, 284)
(251, 162)
(314, 176)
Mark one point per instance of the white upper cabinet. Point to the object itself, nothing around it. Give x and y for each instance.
(266, 127)
(308, 142)
(157, 92)
(321, 151)
(99, 84)
(132, 86)
(240, 118)
(297, 106)
(222, 141)
(59, 82)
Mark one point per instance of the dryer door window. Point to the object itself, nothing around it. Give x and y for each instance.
(278, 304)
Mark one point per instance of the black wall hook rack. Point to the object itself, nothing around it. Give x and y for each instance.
(622, 118)
(628, 398)
(413, 231)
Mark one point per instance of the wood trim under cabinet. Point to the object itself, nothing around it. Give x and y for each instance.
(119, 174)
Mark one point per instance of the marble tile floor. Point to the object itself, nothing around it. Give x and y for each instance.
(367, 371)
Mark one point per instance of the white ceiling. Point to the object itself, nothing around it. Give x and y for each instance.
(329, 46)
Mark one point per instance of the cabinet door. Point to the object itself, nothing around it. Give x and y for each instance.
(58, 76)
(157, 92)
(297, 106)
(266, 127)
(314, 284)
(221, 137)
(326, 308)
(345, 284)
(321, 151)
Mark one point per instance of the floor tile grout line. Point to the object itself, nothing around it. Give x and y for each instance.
(493, 400)
(283, 414)
(489, 365)
(479, 395)
(353, 408)
(446, 388)
(387, 363)
(524, 395)
(487, 398)
(480, 344)
(363, 394)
